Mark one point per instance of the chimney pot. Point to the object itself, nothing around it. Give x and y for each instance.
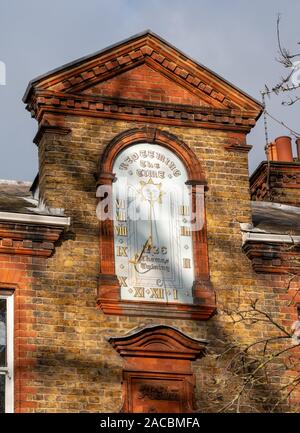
(274, 151)
(284, 148)
(298, 148)
(269, 151)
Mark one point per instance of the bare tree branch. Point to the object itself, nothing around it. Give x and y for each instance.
(255, 363)
(285, 58)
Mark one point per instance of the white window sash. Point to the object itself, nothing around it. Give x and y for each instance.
(8, 371)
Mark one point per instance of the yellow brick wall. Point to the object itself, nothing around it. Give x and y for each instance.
(76, 369)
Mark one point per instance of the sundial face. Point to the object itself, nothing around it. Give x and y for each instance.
(152, 230)
(151, 191)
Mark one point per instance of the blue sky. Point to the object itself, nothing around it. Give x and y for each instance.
(236, 39)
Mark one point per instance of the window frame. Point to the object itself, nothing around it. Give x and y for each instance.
(8, 370)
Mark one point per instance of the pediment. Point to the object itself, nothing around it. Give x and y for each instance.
(157, 371)
(158, 340)
(144, 53)
(145, 83)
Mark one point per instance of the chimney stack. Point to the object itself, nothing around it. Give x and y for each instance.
(281, 174)
(298, 148)
(284, 149)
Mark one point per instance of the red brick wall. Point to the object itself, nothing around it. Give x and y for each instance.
(146, 84)
(16, 275)
(284, 183)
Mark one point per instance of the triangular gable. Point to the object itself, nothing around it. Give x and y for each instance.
(150, 49)
(147, 84)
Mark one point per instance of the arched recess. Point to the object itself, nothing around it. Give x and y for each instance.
(155, 136)
(109, 294)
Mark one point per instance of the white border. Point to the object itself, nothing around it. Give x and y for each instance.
(250, 233)
(9, 370)
(35, 219)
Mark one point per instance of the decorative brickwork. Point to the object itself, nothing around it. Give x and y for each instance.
(280, 258)
(284, 182)
(146, 84)
(111, 84)
(28, 239)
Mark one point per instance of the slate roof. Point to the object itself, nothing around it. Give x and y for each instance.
(275, 218)
(15, 196)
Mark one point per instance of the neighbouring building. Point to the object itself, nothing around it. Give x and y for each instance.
(111, 297)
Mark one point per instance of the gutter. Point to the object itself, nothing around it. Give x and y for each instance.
(256, 235)
(35, 219)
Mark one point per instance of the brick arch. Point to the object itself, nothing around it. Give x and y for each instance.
(109, 294)
(154, 136)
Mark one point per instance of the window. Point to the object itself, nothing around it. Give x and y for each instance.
(6, 353)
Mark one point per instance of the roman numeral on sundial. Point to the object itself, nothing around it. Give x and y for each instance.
(120, 203)
(183, 210)
(121, 251)
(121, 230)
(139, 292)
(185, 231)
(157, 293)
(121, 216)
(186, 263)
(122, 281)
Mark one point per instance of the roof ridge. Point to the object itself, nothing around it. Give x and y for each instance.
(15, 182)
(145, 33)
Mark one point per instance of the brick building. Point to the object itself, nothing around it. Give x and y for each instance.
(103, 315)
